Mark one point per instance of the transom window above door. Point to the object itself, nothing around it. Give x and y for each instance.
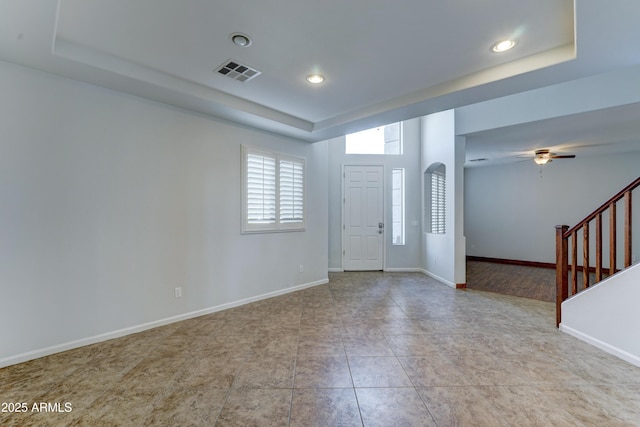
(380, 140)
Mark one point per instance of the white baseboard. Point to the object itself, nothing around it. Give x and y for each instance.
(388, 270)
(35, 354)
(403, 270)
(438, 278)
(631, 358)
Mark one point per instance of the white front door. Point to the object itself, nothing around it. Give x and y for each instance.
(363, 222)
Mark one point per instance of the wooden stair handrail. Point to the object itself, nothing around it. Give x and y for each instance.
(604, 207)
(563, 233)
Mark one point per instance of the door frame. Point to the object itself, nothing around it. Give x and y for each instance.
(384, 210)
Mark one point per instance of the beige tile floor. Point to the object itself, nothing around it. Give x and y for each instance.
(374, 349)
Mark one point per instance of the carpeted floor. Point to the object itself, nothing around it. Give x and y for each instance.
(528, 282)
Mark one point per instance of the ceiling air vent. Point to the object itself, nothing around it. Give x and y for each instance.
(237, 71)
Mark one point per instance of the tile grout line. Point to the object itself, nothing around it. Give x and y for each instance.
(344, 349)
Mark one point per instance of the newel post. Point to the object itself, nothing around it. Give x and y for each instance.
(562, 269)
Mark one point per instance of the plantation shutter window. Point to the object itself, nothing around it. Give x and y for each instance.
(273, 191)
(261, 189)
(291, 191)
(437, 202)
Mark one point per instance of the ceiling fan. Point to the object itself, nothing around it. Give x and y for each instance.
(544, 156)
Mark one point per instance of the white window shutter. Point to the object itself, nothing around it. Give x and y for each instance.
(438, 213)
(261, 189)
(291, 191)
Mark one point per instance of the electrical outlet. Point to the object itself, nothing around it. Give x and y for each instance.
(301, 268)
(178, 292)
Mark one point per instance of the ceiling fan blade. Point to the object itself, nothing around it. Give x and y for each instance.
(569, 147)
(564, 156)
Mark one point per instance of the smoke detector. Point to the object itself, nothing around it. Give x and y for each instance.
(241, 39)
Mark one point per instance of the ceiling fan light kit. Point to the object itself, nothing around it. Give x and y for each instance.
(544, 156)
(541, 160)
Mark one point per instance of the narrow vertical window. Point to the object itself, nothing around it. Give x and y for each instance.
(397, 206)
(435, 184)
(437, 202)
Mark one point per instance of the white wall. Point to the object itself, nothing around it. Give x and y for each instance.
(108, 202)
(511, 210)
(406, 257)
(444, 254)
(607, 315)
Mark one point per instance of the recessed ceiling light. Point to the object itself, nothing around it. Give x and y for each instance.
(503, 46)
(315, 78)
(240, 39)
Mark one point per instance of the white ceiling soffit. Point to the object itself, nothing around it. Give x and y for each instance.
(376, 56)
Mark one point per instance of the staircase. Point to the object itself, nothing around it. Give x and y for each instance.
(587, 237)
